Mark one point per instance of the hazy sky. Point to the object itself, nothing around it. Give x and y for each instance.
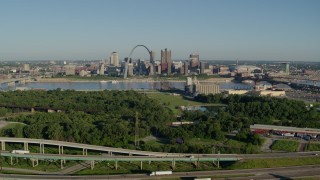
(216, 29)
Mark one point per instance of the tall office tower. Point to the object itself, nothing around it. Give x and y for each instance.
(194, 60)
(101, 69)
(202, 67)
(152, 63)
(287, 69)
(130, 69)
(186, 68)
(159, 68)
(127, 63)
(114, 59)
(166, 62)
(151, 70)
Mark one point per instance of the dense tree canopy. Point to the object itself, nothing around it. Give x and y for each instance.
(265, 110)
(109, 118)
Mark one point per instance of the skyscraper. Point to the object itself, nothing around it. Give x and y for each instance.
(152, 71)
(186, 68)
(202, 67)
(101, 69)
(194, 60)
(114, 59)
(166, 62)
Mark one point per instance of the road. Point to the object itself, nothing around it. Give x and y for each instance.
(119, 158)
(265, 173)
(86, 146)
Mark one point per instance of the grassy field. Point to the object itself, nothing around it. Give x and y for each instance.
(47, 166)
(274, 162)
(313, 147)
(134, 167)
(173, 102)
(308, 178)
(285, 145)
(199, 141)
(12, 128)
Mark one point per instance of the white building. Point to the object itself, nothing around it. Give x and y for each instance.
(114, 59)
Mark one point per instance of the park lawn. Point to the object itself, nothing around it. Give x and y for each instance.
(202, 141)
(285, 145)
(158, 142)
(173, 102)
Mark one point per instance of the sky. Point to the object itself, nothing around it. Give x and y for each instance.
(285, 30)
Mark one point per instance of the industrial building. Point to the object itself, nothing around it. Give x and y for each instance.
(206, 88)
(193, 86)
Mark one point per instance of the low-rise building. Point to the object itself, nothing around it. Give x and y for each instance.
(239, 92)
(270, 93)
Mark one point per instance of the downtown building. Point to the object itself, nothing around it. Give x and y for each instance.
(114, 59)
(166, 62)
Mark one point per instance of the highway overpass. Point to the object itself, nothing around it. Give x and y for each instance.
(132, 155)
(86, 147)
(98, 158)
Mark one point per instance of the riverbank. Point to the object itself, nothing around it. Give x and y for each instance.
(59, 80)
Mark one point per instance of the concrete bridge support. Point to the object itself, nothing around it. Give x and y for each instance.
(216, 164)
(92, 165)
(61, 163)
(11, 160)
(26, 146)
(3, 145)
(85, 152)
(41, 148)
(140, 165)
(173, 164)
(35, 162)
(60, 149)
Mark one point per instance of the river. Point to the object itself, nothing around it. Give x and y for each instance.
(121, 85)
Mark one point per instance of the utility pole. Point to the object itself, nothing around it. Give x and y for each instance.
(136, 131)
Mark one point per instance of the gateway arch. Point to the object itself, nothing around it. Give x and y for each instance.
(151, 53)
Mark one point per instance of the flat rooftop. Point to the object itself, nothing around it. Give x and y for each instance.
(285, 128)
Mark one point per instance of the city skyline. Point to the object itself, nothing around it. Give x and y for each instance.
(217, 30)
